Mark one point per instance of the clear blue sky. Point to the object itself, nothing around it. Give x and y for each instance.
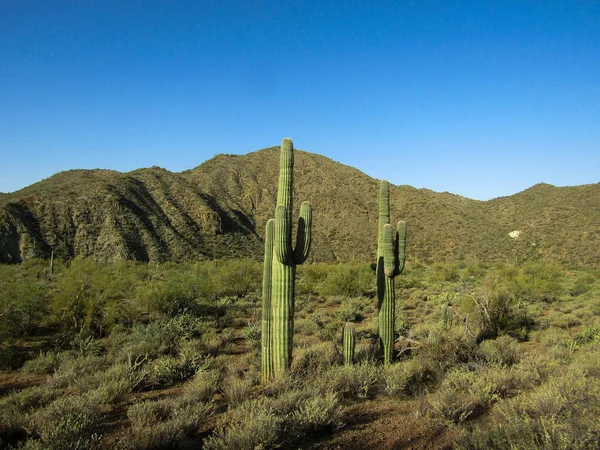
(479, 98)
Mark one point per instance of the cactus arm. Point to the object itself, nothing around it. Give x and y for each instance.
(304, 235)
(283, 248)
(267, 327)
(389, 260)
(400, 248)
(384, 213)
(285, 190)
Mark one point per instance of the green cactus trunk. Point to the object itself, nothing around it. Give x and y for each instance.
(348, 343)
(283, 270)
(390, 262)
(266, 335)
(52, 263)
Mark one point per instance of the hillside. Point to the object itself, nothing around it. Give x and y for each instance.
(220, 209)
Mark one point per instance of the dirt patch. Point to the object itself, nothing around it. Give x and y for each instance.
(15, 381)
(388, 424)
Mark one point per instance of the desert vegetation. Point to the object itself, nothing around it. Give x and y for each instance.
(235, 353)
(132, 355)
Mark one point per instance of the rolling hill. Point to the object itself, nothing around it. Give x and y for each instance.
(219, 209)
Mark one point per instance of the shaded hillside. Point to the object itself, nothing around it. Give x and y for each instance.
(148, 214)
(220, 209)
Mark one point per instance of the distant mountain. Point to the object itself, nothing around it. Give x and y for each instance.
(220, 209)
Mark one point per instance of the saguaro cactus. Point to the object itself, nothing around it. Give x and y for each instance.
(390, 262)
(348, 343)
(283, 268)
(267, 328)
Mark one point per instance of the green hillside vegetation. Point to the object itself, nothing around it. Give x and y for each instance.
(135, 355)
(220, 208)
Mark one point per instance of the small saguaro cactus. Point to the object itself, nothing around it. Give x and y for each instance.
(277, 351)
(52, 263)
(390, 262)
(348, 343)
(447, 314)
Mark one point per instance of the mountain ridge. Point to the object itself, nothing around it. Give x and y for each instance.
(219, 209)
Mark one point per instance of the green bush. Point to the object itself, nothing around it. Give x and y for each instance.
(10, 356)
(69, 423)
(347, 280)
(559, 414)
(236, 389)
(253, 425)
(350, 310)
(165, 423)
(503, 351)
(317, 413)
(45, 363)
(408, 377)
(22, 305)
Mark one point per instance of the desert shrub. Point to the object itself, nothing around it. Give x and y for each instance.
(409, 377)
(165, 423)
(578, 288)
(238, 277)
(251, 333)
(451, 348)
(202, 387)
(143, 341)
(451, 406)
(539, 280)
(73, 369)
(45, 363)
(465, 394)
(10, 356)
(185, 326)
(83, 345)
(168, 370)
(310, 361)
(348, 280)
(359, 381)
(350, 310)
(171, 297)
(97, 296)
(503, 351)
(496, 307)
(309, 278)
(227, 337)
(559, 414)
(22, 305)
(16, 410)
(69, 423)
(306, 327)
(444, 273)
(317, 413)
(306, 304)
(252, 425)
(118, 381)
(283, 421)
(236, 388)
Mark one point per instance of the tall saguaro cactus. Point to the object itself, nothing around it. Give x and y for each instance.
(390, 262)
(277, 350)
